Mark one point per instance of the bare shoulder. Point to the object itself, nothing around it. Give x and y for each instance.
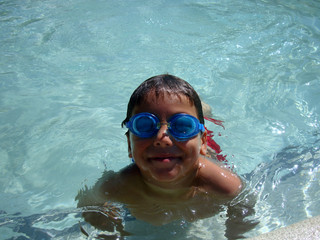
(93, 196)
(218, 178)
(122, 185)
(111, 186)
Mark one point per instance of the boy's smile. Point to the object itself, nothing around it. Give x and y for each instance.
(163, 161)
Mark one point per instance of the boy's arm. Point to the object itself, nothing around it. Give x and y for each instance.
(97, 211)
(219, 179)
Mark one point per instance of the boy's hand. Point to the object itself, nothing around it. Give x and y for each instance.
(105, 218)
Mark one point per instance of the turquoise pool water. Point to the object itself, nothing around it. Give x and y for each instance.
(67, 70)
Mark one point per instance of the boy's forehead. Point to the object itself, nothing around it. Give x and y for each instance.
(155, 97)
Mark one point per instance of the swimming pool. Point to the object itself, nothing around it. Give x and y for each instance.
(67, 71)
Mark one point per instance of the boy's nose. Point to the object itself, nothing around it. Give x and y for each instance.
(162, 138)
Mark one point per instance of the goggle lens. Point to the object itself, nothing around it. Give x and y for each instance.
(143, 126)
(181, 126)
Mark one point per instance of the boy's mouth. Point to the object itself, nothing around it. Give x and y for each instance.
(164, 161)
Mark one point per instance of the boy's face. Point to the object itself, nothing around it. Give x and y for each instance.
(162, 160)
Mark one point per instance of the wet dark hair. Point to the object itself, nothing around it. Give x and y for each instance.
(162, 84)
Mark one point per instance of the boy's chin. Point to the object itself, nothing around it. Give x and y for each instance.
(168, 176)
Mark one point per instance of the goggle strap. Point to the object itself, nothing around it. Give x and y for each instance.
(201, 127)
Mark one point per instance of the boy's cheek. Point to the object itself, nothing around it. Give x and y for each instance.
(137, 143)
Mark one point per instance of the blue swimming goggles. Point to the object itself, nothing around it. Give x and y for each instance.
(181, 126)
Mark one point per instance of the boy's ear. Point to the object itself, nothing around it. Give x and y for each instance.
(203, 147)
(129, 145)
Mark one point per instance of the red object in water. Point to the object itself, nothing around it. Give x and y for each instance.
(211, 143)
(215, 121)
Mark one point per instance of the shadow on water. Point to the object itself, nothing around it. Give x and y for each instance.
(40, 226)
(278, 193)
(287, 187)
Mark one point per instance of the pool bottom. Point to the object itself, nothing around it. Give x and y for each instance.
(308, 229)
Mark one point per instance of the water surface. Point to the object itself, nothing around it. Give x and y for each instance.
(67, 69)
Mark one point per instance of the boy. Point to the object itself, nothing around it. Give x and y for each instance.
(171, 178)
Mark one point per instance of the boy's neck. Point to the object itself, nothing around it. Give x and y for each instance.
(167, 193)
(178, 189)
